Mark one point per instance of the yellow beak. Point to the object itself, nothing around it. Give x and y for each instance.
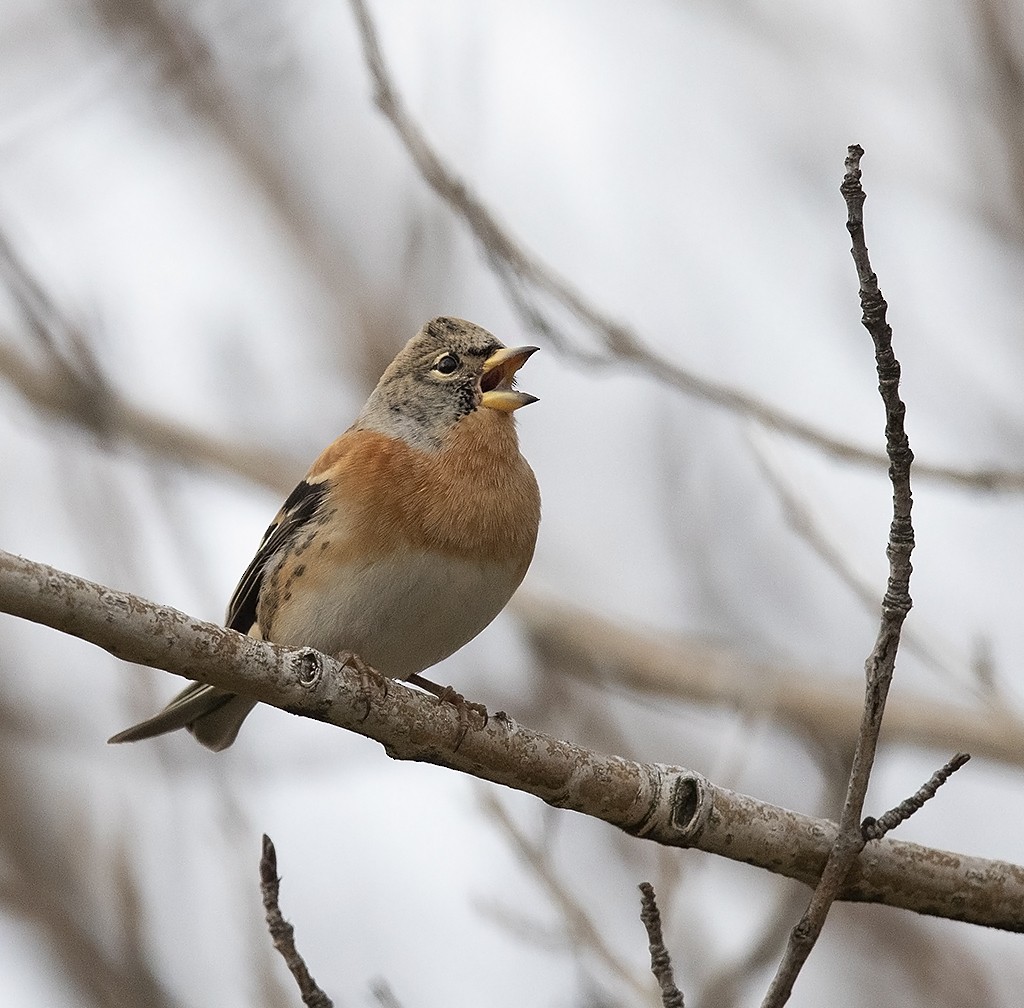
(499, 375)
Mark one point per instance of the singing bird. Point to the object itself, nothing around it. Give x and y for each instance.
(407, 536)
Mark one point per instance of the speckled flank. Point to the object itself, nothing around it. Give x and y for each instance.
(291, 520)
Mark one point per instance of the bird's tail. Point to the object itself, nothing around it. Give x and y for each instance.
(211, 715)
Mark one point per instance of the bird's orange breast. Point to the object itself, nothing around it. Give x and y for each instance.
(476, 497)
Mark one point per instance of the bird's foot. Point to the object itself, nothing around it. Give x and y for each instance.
(463, 707)
(370, 680)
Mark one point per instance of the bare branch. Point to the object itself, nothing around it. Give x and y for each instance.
(875, 829)
(607, 654)
(661, 962)
(668, 804)
(689, 669)
(62, 379)
(50, 387)
(585, 933)
(521, 272)
(282, 933)
(804, 524)
(726, 983)
(189, 64)
(895, 604)
(384, 995)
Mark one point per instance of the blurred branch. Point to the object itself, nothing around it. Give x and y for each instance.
(577, 922)
(667, 804)
(53, 389)
(802, 521)
(121, 980)
(47, 854)
(61, 379)
(605, 653)
(896, 603)
(282, 933)
(523, 273)
(384, 995)
(725, 984)
(187, 60)
(1003, 62)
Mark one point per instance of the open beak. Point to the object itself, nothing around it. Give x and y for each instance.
(498, 380)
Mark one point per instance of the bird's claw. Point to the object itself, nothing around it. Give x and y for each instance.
(370, 680)
(463, 707)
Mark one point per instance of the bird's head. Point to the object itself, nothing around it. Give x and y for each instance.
(448, 370)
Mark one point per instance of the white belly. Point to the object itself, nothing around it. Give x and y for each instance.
(401, 614)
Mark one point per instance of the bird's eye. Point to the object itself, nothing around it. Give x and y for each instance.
(447, 364)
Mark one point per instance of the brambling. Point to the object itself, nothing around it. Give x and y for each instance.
(407, 536)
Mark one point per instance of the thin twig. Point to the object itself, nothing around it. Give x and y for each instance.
(875, 829)
(661, 962)
(895, 604)
(283, 934)
(522, 272)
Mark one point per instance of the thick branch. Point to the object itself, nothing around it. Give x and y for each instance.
(668, 804)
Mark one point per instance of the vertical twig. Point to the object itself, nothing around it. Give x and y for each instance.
(895, 604)
(661, 963)
(283, 934)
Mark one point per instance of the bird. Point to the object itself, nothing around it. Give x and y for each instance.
(406, 537)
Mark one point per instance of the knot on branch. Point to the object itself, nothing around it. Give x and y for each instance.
(309, 667)
(690, 807)
(897, 603)
(887, 366)
(901, 532)
(871, 300)
(852, 192)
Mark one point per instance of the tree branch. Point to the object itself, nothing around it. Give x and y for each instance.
(521, 271)
(603, 653)
(282, 933)
(63, 380)
(895, 604)
(667, 804)
(586, 934)
(661, 962)
(875, 829)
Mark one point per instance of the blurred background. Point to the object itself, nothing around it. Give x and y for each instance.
(211, 243)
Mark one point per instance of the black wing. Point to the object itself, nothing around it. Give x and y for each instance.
(298, 510)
